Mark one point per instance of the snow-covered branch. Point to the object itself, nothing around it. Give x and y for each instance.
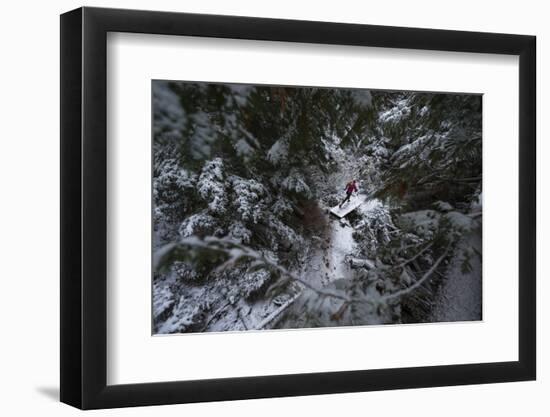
(418, 283)
(236, 252)
(402, 264)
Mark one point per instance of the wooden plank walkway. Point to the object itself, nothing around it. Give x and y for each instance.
(349, 206)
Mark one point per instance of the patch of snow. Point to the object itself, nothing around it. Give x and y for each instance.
(361, 263)
(295, 182)
(199, 223)
(243, 148)
(278, 152)
(363, 97)
(396, 114)
(460, 295)
(254, 281)
(342, 245)
(211, 186)
(422, 222)
(248, 193)
(169, 116)
(354, 202)
(241, 93)
(461, 221)
(443, 206)
(239, 232)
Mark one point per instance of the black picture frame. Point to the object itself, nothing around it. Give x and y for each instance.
(84, 207)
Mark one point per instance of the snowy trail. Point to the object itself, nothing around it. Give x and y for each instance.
(342, 245)
(328, 259)
(327, 262)
(459, 298)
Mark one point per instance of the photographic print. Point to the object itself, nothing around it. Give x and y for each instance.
(289, 207)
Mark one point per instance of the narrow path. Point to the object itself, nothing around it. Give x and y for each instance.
(327, 260)
(342, 245)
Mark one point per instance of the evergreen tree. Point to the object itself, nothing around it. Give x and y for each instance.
(239, 172)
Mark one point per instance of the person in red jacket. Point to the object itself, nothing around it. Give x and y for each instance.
(351, 187)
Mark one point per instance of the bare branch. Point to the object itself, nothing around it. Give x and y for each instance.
(419, 282)
(402, 264)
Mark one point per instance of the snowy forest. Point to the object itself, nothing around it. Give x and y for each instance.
(247, 186)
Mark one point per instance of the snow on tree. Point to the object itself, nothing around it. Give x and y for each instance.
(295, 182)
(278, 152)
(242, 177)
(211, 186)
(168, 114)
(200, 224)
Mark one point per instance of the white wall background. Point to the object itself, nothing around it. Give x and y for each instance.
(29, 237)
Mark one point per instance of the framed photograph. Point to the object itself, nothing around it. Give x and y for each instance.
(257, 208)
